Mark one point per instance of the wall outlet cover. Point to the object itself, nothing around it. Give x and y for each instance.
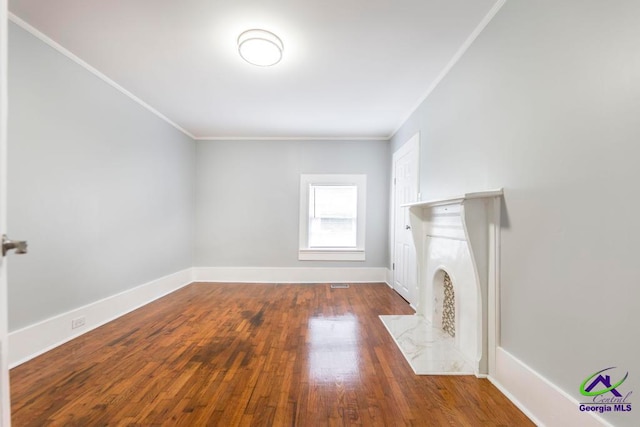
(80, 321)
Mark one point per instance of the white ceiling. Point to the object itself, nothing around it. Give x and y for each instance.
(351, 68)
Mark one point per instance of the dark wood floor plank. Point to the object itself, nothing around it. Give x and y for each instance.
(254, 355)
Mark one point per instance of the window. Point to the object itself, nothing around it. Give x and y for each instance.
(332, 217)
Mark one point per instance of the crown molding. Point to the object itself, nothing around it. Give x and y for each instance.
(55, 45)
(456, 57)
(291, 138)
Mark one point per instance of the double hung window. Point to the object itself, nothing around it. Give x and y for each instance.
(332, 217)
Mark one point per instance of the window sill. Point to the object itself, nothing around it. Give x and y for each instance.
(331, 254)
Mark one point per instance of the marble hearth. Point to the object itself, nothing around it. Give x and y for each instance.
(429, 350)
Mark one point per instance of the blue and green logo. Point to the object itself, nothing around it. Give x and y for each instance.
(604, 393)
(605, 380)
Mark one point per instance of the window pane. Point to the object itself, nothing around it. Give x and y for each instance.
(333, 216)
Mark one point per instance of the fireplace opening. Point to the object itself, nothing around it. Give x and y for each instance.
(449, 307)
(444, 307)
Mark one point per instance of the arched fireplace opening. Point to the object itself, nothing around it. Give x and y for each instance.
(444, 304)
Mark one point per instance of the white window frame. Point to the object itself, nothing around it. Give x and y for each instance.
(306, 253)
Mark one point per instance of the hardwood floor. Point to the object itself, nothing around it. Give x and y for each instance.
(263, 355)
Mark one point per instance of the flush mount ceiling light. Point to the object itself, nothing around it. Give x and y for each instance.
(260, 47)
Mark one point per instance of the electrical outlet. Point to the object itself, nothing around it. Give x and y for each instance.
(80, 321)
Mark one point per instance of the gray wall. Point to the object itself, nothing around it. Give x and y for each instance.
(546, 103)
(102, 189)
(248, 192)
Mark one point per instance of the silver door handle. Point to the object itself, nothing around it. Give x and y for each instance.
(407, 227)
(19, 245)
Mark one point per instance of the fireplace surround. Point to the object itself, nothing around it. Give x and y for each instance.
(457, 244)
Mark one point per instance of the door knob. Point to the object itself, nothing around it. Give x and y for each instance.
(406, 227)
(19, 245)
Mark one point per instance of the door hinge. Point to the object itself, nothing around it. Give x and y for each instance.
(393, 266)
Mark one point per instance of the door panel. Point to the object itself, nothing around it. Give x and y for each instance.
(405, 190)
(5, 407)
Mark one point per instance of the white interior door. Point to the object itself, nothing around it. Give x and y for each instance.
(5, 406)
(405, 190)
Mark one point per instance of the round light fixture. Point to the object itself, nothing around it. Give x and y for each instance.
(260, 47)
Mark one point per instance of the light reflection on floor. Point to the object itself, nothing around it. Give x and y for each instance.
(333, 349)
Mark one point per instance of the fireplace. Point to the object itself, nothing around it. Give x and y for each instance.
(457, 252)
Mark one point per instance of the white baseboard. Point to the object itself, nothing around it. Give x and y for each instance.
(289, 274)
(540, 400)
(33, 340)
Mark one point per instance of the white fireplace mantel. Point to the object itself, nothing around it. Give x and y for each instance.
(457, 199)
(461, 235)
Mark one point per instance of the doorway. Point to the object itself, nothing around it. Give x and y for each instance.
(404, 190)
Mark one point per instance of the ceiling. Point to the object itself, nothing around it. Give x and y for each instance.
(351, 68)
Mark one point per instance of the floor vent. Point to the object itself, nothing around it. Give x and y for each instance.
(339, 286)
